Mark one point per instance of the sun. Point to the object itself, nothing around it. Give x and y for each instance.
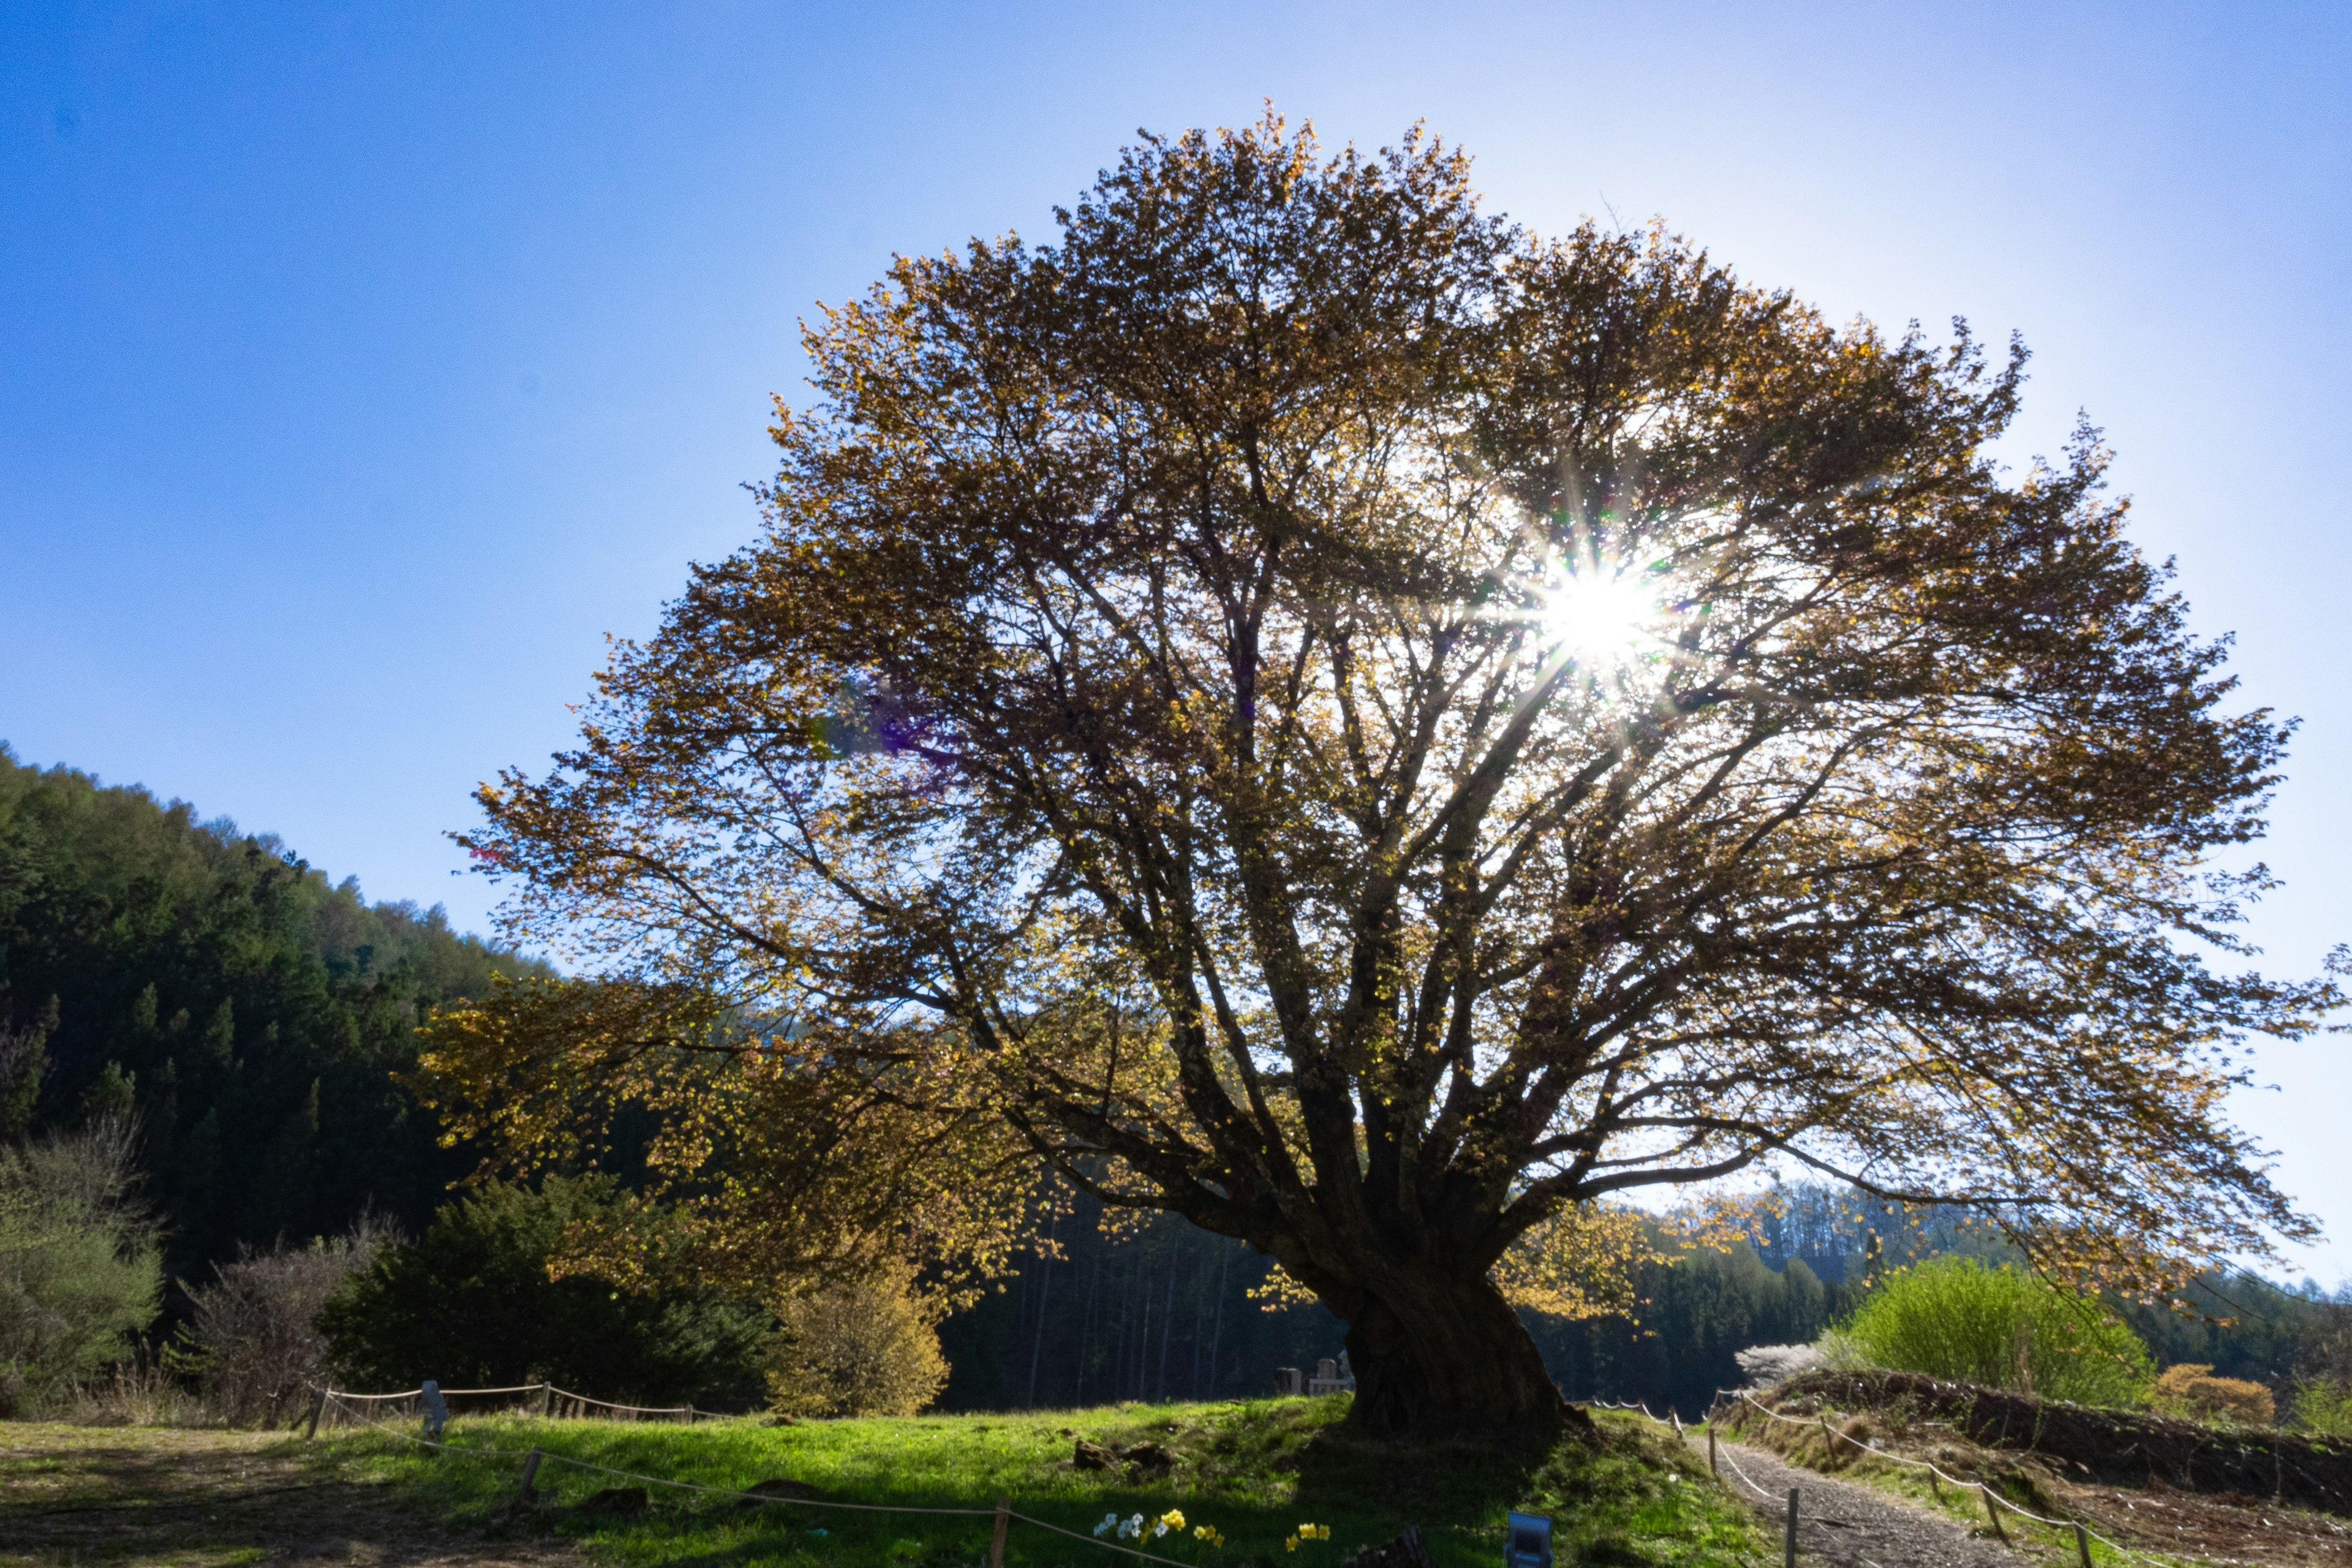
(1601, 615)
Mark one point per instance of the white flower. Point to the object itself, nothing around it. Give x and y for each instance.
(1159, 1530)
(1109, 1521)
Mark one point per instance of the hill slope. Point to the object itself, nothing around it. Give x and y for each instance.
(250, 1011)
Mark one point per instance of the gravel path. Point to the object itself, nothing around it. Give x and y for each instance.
(1848, 1525)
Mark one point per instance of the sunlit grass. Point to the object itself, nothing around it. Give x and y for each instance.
(1253, 1471)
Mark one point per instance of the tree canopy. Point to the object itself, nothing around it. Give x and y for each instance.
(1303, 704)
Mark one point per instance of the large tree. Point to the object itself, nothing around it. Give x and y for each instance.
(1302, 704)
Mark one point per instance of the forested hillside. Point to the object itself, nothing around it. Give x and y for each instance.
(250, 1012)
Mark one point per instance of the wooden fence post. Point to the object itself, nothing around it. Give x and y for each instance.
(2082, 1543)
(996, 1541)
(1712, 1467)
(1992, 1513)
(530, 1474)
(546, 1400)
(317, 1408)
(1789, 1548)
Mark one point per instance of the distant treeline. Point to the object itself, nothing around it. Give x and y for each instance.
(250, 1012)
(1815, 1253)
(1166, 1313)
(1163, 1312)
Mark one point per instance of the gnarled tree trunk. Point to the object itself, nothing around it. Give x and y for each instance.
(1439, 1356)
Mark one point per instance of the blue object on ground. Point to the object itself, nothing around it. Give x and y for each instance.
(1529, 1545)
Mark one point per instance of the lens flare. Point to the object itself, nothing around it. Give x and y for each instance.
(1600, 616)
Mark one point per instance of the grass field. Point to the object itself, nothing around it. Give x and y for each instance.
(1254, 1472)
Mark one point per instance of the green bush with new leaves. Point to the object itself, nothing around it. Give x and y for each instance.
(80, 1269)
(1956, 1318)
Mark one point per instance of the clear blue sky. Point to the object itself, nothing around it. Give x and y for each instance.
(363, 366)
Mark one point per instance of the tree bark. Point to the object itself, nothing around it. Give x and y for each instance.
(1437, 1356)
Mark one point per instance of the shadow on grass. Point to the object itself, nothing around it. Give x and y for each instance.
(1253, 1473)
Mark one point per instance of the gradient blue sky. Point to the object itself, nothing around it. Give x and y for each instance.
(363, 366)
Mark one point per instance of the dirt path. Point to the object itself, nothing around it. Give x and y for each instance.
(75, 1495)
(1847, 1525)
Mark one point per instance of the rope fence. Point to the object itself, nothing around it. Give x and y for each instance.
(1993, 1499)
(534, 1458)
(553, 1402)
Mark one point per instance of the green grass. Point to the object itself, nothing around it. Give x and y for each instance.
(1256, 1471)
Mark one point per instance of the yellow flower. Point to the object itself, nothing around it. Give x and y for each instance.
(1200, 1532)
(1173, 1519)
(1291, 1544)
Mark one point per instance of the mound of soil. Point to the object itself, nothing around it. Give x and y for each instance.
(2114, 1447)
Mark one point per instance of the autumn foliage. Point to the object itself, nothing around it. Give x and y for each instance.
(1303, 704)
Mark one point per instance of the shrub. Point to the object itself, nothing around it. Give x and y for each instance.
(2192, 1390)
(473, 1303)
(2323, 1405)
(1953, 1318)
(79, 1267)
(253, 1338)
(871, 1348)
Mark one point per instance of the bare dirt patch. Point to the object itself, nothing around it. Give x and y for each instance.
(73, 1494)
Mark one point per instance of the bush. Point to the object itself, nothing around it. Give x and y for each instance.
(472, 1304)
(2323, 1405)
(253, 1338)
(2192, 1390)
(867, 1349)
(1953, 1318)
(81, 1272)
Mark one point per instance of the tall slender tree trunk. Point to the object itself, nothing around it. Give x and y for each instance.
(1045, 1298)
(1143, 1334)
(1217, 1323)
(1086, 1330)
(1168, 1325)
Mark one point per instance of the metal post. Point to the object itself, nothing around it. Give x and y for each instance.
(317, 1408)
(2082, 1543)
(1992, 1513)
(996, 1541)
(1788, 1549)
